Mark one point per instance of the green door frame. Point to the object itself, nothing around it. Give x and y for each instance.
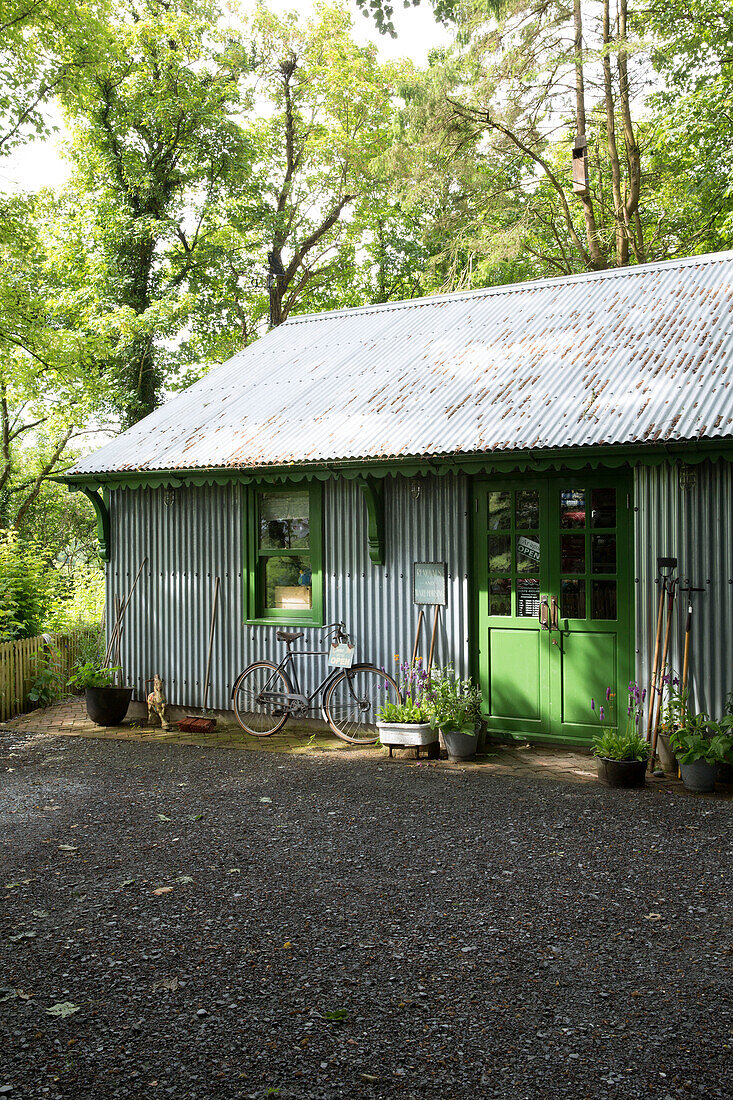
(576, 731)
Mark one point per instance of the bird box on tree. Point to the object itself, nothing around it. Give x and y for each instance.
(580, 165)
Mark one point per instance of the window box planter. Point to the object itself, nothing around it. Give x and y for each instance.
(107, 706)
(622, 773)
(406, 735)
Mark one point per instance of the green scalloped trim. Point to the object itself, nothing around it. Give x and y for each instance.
(519, 461)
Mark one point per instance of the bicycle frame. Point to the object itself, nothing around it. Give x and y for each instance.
(288, 661)
(273, 691)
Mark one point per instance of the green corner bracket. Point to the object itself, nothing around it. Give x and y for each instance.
(373, 491)
(102, 512)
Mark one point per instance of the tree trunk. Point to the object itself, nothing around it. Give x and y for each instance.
(622, 237)
(633, 156)
(598, 260)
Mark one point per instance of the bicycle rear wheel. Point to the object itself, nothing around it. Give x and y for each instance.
(352, 700)
(256, 715)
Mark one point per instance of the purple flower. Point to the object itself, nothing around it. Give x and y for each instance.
(592, 704)
(601, 714)
(608, 694)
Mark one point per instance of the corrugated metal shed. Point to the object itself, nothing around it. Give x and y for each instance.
(632, 356)
(196, 535)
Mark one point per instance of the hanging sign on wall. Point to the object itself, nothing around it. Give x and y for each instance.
(430, 582)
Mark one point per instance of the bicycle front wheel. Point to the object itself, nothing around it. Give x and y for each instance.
(352, 700)
(255, 714)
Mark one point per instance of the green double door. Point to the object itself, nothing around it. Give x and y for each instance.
(553, 566)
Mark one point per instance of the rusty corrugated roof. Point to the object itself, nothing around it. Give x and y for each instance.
(629, 356)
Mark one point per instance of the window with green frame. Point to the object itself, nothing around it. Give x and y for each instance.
(285, 554)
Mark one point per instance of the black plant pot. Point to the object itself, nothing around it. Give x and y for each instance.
(622, 773)
(107, 706)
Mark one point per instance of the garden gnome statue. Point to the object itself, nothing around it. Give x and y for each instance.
(156, 703)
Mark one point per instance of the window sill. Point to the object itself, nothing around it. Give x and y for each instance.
(314, 624)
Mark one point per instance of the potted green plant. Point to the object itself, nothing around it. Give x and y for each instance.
(106, 702)
(701, 746)
(454, 707)
(671, 720)
(725, 771)
(622, 754)
(407, 724)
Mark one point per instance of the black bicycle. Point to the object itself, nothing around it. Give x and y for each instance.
(265, 695)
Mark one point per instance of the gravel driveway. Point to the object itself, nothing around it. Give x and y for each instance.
(254, 925)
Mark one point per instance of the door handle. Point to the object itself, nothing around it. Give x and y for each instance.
(543, 613)
(554, 613)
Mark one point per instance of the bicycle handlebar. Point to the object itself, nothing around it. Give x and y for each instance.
(338, 629)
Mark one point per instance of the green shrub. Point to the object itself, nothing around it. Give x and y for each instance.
(28, 587)
(90, 675)
(79, 604)
(48, 685)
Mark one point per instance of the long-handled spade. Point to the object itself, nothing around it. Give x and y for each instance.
(688, 630)
(671, 588)
(662, 565)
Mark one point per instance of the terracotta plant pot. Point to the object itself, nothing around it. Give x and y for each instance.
(622, 773)
(107, 706)
(699, 776)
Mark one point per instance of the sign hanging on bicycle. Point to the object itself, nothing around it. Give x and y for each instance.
(341, 655)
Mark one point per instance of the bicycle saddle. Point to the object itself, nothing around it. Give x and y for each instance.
(283, 636)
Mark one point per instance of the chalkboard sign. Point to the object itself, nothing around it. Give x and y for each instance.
(430, 583)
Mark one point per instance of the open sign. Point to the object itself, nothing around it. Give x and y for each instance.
(528, 548)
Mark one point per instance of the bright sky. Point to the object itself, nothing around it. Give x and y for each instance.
(41, 164)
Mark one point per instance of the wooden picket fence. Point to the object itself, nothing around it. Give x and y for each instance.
(22, 660)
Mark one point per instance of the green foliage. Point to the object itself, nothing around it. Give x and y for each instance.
(44, 46)
(155, 148)
(410, 710)
(700, 738)
(48, 683)
(452, 704)
(80, 603)
(48, 388)
(91, 675)
(28, 587)
(612, 744)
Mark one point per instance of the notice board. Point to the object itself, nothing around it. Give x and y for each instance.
(430, 583)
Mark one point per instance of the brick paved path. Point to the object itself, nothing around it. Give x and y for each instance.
(69, 719)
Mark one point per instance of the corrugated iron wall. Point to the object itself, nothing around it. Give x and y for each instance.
(190, 536)
(687, 512)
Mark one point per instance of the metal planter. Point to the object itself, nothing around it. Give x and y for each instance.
(699, 776)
